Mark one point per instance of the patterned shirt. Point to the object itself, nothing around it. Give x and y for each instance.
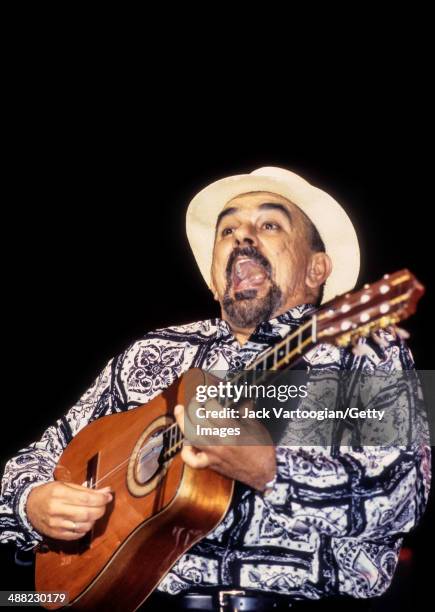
(333, 524)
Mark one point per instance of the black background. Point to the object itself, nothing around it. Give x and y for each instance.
(96, 251)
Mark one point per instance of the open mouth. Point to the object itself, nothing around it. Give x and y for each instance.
(247, 273)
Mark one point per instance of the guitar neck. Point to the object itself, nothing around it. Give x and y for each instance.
(343, 320)
(283, 354)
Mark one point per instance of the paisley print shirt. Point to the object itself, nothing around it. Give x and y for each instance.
(335, 521)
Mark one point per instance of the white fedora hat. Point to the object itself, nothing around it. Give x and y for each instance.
(333, 224)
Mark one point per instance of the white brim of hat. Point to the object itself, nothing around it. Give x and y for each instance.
(330, 219)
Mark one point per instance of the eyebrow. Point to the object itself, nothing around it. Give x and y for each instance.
(264, 206)
(276, 206)
(225, 213)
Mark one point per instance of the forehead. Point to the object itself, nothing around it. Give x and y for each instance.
(252, 200)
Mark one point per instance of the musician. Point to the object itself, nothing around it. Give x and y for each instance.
(305, 523)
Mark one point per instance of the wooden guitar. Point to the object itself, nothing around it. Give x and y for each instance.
(161, 507)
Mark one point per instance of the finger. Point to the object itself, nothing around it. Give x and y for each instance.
(93, 491)
(64, 534)
(71, 526)
(80, 514)
(79, 527)
(194, 459)
(73, 485)
(82, 496)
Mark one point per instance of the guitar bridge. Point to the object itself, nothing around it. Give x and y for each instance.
(90, 483)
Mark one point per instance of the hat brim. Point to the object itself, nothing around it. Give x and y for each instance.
(330, 219)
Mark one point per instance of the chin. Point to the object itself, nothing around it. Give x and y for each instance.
(248, 308)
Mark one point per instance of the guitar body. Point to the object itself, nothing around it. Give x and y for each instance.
(154, 518)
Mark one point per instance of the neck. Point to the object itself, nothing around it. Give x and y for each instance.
(242, 335)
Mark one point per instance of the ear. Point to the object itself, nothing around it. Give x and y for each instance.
(318, 269)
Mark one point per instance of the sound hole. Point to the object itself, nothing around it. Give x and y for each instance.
(147, 466)
(148, 460)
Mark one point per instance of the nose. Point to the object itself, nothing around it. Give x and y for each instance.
(245, 235)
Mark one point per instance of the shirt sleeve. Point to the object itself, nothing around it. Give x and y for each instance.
(363, 492)
(34, 465)
(137, 375)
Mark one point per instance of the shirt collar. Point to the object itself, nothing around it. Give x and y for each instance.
(276, 327)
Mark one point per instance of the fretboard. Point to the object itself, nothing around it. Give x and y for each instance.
(281, 355)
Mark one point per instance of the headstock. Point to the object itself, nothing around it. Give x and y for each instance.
(390, 300)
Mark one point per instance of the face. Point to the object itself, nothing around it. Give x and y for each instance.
(262, 260)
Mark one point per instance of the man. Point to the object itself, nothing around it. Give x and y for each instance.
(305, 523)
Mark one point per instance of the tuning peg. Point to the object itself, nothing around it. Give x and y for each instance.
(402, 333)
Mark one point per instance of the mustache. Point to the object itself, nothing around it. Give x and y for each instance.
(252, 253)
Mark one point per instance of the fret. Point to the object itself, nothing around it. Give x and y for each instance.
(288, 349)
(275, 358)
(299, 349)
(167, 438)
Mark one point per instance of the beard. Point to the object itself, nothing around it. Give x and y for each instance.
(245, 309)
